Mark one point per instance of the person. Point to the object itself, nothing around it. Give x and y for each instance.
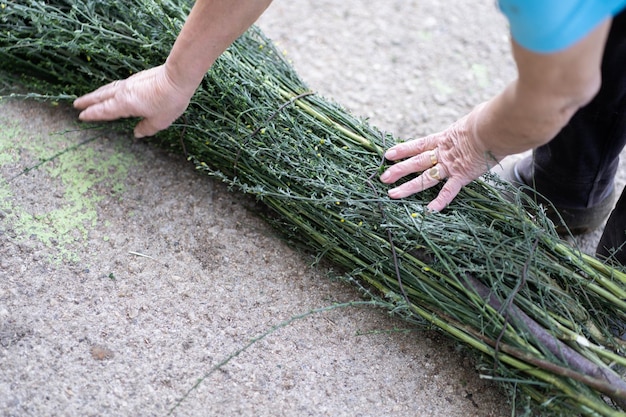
(567, 103)
(161, 94)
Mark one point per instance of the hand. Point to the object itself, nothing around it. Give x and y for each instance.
(455, 154)
(149, 94)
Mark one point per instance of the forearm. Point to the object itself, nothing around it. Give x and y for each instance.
(516, 121)
(547, 93)
(210, 28)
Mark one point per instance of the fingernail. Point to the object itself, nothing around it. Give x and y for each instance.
(431, 209)
(391, 153)
(385, 176)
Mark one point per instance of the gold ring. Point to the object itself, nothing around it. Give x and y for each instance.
(433, 157)
(434, 173)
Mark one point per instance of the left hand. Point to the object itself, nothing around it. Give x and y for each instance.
(456, 155)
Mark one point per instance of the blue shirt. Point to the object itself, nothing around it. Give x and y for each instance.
(546, 26)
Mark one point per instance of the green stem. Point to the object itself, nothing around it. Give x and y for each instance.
(328, 121)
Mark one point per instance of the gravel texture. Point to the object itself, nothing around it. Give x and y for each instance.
(125, 276)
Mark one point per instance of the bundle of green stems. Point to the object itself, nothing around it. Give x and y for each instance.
(486, 271)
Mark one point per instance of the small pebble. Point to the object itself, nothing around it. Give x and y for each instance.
(101, 353)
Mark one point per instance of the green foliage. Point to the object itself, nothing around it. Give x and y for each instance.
(484, 271)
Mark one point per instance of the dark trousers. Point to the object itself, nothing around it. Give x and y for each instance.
(577, 168)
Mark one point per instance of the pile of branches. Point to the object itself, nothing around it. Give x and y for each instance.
(484, 271)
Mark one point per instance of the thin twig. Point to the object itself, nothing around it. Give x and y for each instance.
(608, 382)
(53, 157)
(392, 246)
(262, 336)
(141, 255)
(258, 129)
(506, 308)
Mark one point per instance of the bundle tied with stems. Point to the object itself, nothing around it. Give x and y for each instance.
(539, 313)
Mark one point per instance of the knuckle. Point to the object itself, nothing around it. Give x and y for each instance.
(400, 169)
(446, 194)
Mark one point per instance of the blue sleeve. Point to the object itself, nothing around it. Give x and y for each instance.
(546, 26)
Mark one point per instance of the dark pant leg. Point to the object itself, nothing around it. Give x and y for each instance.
(577, 168)
(614, 236)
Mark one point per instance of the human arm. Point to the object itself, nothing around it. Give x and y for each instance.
(529, 112)
(161, 94)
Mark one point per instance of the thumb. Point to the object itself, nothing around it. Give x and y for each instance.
(145, 128)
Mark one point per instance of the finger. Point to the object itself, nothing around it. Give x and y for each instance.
(107, 110)
(410, 148)
(450, 189)
(146, 128)
(417, 163)
(101, 94)
(423, 182)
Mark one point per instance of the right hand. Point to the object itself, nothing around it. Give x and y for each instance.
(149, 94)
(455, 155)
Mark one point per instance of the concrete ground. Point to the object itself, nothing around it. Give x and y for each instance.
(125, 276)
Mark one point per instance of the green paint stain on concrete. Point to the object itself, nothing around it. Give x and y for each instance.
(481, 75)
(441, 87)
(61, 211)
(7, 149)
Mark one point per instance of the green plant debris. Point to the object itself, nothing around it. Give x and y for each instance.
(59, 216)
(484, 271)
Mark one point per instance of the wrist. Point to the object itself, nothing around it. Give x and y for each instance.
(504, 126)
(478, 124)
(183, 80)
